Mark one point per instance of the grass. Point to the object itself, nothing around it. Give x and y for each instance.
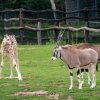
(40, 73)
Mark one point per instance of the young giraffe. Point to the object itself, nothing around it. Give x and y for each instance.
(9, 48)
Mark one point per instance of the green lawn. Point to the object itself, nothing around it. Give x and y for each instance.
(40, 73)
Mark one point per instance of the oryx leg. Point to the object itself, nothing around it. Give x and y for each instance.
(71, 79)
(82, 75)
(88, 75)
(93, 71)
(79, 79)
(17, 69)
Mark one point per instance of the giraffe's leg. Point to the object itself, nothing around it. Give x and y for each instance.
(11, 71)
(11, 68)
(3, 54)
(0, 70)
(15, 63)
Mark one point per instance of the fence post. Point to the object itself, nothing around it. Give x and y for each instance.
(86, 33)
(21, 23)
(39, 39)
(69, 35)
(4, 22)
(56, 33)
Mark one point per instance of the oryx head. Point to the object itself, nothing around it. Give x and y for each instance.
(56, 53)
(7, 40)
(58, 48)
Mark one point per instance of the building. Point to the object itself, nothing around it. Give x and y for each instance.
(72, 5)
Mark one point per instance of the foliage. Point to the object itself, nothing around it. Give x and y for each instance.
(30, 4)
(41, 74)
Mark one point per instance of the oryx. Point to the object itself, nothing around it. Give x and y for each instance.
(84, 46)
(77, 58)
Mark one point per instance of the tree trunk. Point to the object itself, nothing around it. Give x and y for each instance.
(66, 9)
(55, 17)
(53, 8)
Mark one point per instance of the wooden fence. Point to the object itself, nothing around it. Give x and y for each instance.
(19, 16)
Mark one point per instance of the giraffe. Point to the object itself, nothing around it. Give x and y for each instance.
(9, 48)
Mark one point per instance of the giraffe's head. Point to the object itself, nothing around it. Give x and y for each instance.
(8, 40)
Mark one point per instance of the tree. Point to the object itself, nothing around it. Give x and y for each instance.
(30, 4)
(53, 8)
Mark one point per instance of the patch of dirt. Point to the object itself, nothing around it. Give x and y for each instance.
(26, 48)
(21, 85)
(5, 84)
(61, 86)
(69, 98)
(31, 93)
(53, 96)
(98, 94)
(7, 77)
